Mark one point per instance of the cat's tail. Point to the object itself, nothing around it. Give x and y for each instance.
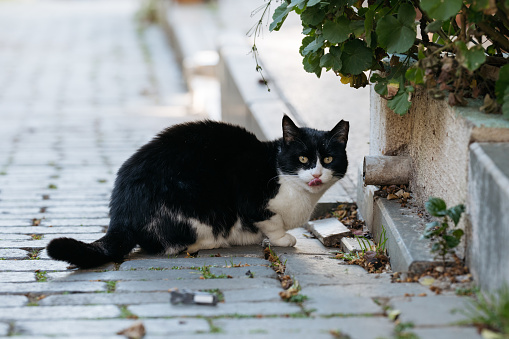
(109, 248)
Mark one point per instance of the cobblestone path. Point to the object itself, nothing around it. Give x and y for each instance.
(82, 86)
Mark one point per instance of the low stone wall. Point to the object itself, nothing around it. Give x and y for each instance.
(436, 137)
(448, 162)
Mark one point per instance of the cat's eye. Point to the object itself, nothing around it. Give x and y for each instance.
(327, 160)
(303, 159)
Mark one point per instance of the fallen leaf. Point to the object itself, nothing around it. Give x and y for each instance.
(426, 280)
(392, 196)
(135, 331)
(393, 314)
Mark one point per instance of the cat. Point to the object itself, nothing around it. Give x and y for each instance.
(204, 185)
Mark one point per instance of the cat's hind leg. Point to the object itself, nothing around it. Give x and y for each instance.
(274, 229)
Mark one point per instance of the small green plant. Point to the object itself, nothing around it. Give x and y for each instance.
(206, 274)
(111, 286)
(490, 311)
(156, 268)
(41, 276)
(401, 331)
(34, 254)
(126, 314)
(52, 186)
(446, 239)
(466, 290)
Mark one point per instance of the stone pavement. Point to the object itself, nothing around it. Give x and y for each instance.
(82, 85)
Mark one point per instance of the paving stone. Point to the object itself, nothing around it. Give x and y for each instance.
(156, 274)
(373, 290)
(32, 265)
(252, 295)
(253, 309)
(329, 231)
(223, 284)
(325, 302)
(10, 277)
(189, 262)
(254, 251)
(447, 333)
(13, 254)
(12, 300)
(105, 299)
(245, 272)
(52, 287)
(4, 329)
(432, 310)
(94, 328)
(355, 327)
(59, 312)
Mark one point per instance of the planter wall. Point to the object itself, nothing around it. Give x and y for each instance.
(437, 137)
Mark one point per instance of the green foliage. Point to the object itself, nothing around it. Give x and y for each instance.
(490, 311)
(111, 286)
(41, 276)
(206, 274)
(350, 38)
(446, 239)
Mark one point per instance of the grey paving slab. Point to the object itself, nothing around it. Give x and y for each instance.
(52, 287)
(355, 327)
(155, 274)
(11, 277)
(432, 310)
(222, 309)
(373, 290)
(32, 265)
(88, 328)
(169, 263)
(59, 312)
(447, 333)
(105, 299)
(248, 272)
(13, 254)
(324, 301)
(4, 329)
(223, 284)
(255, 294)
(13, 300)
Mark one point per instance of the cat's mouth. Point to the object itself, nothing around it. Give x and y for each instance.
(315, 182)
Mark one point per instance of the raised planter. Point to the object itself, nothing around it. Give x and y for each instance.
(437, 138)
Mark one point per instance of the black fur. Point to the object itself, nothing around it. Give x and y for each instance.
(210, 171)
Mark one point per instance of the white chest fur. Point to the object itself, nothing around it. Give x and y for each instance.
(293, 202)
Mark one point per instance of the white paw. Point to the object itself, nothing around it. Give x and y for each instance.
(287, 240)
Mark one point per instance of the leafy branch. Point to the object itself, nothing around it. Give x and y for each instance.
(459, 54)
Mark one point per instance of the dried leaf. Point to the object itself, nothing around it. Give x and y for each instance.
(135, 331)
(426, 280)
(392, 196)
(490, 105)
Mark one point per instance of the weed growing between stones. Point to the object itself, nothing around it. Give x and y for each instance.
(337, 334)
(373, 258)
(126, 314)
(490, 313)
(291, 287)
(37, 236)
(33, 254)
(206, 274)
(41, 276)
(111, 286)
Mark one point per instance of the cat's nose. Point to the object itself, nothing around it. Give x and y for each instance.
(317, 175)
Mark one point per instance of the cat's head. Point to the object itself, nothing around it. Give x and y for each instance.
(314, 159)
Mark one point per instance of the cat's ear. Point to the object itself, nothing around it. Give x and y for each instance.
(290, 130)
(340, 132)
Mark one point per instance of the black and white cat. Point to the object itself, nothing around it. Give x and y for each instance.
(205, 185)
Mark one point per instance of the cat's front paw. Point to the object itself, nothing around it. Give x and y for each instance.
(287, 240)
